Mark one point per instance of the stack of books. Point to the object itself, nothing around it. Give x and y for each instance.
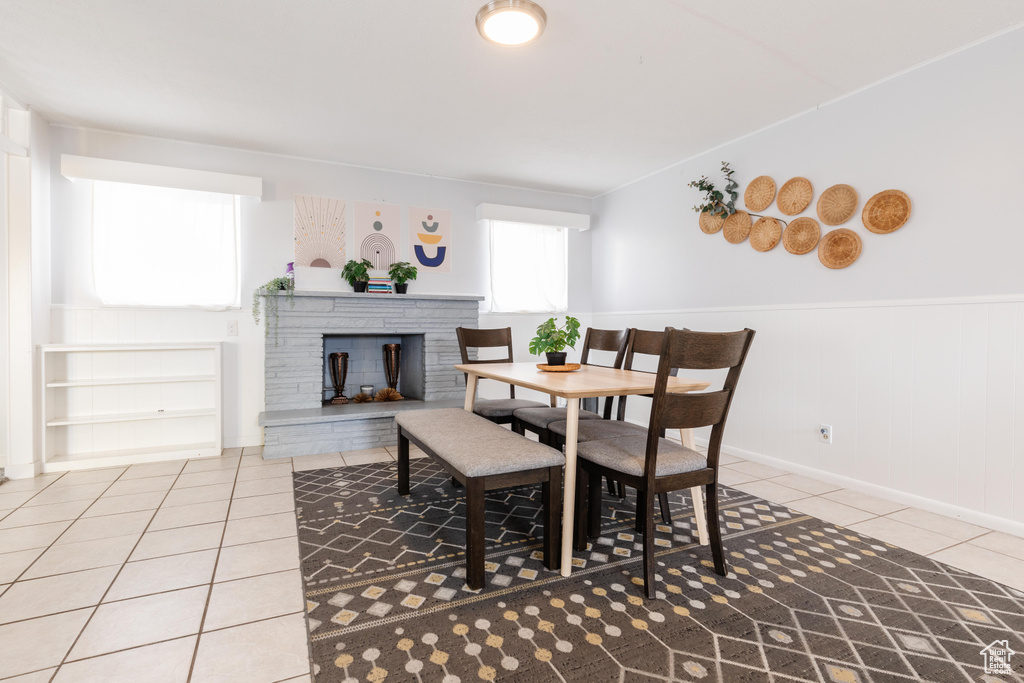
(379, 285)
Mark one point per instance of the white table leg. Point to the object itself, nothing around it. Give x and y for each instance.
(696, 494)
(471, 382)
(572, 423)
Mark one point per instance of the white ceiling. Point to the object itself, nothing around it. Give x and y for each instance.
(612, 91)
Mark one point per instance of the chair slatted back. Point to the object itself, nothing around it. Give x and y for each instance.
(645, 343)
(605, 340)
(470, 338)
(688, 350)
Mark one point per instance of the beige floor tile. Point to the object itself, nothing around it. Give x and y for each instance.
(264, 487)
(806, 484)
(183, 540)
(123, 487)
(39, 643)
(757, 469)
(777, 493)
(300, 679)
(262, 505)
(211, 464)
(232, 452)
(252, 450)
(153, 469)
(25, 537)
(15, 499)
(317, 462)
(260, 652)
(67, 494)
(53, 594)
(232, 603)
(117, 505)
(190, 515)
(240, 561)
(43, 676)
(830, 511)
(903, 535)
(141, 621)
(414, 452)
(205, 478)
(983, 562)
(366, 457)
(90, 476)
(940, 524)
(13, 564)
(262, 528)
(266, 472)
(44, 514)
(37, 483)
(861, 501)
(161, 663)
(73, 557)
(1005, 544)
(725, 458)
(731, 477)
(197, 494)
(94, 528)
(163, 574)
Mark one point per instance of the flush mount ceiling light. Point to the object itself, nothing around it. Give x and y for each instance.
(511, 22)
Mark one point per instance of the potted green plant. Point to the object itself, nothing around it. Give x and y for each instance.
(401, 273)
(357, 274)
(551, 339)
(270, 292)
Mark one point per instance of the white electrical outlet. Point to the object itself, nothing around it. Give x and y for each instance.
(232, 328)
(825, 433)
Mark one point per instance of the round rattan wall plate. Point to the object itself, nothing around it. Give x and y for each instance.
(886, 212)
(801, 236)
(711, 224)
(760, 193)
(795, 196)
(837, 204)
(839, 248)
(737, 227)
(765, 233)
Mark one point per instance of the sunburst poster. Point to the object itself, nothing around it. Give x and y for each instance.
(319, 232)
(430, 234)
(377, 233)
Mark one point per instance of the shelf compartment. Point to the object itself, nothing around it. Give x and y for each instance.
(121, 381)
(73, 461)
(129, 417)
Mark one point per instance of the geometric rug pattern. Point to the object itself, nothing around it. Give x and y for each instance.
(804, 600)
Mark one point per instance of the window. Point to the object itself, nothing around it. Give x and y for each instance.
(161, 246)
(529, 268)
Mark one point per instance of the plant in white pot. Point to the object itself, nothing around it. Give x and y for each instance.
(551, 339)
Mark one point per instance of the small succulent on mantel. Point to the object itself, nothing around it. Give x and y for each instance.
(714, 203)
(270, 293)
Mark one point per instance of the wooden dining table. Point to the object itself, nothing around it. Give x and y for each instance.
(590, 381)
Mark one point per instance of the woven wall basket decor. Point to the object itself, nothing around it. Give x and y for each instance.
(801, 236)
(837, 204)
(711, 224)
(795, 196)
(737, 227)
(839, 248)
(886, 212)
(760, 193)
(765, 233)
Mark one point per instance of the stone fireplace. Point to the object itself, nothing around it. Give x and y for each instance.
(299, 419)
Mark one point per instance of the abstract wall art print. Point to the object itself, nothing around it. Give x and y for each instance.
(377, 233)
(319, 232)
(430, 234)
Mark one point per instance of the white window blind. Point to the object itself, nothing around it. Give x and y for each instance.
(160, 246)
(529, 268)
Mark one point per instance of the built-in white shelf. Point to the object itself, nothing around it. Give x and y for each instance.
(105, 404)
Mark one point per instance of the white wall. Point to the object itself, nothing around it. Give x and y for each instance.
(915, 354)
(266, 248)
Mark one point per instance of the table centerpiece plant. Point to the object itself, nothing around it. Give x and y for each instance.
(551, 339)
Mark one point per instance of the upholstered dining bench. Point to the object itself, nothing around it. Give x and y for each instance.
(483, 456)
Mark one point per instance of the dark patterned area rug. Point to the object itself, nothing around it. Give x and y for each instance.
(803, 601)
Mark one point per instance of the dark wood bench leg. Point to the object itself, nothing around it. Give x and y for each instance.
(552, 490)
(475, 532)
(456, 484)
(403, 464)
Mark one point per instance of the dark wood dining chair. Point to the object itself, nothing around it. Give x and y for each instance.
(652, 464)
(536, 420)
(496, 410)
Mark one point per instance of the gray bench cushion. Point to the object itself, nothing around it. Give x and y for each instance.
(542, 417)
(628, 454)
(475, 446)
(593, 430)
(502, 407)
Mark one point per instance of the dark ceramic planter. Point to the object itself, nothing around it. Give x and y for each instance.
(401, 288)
(556, 357)
(359, 286)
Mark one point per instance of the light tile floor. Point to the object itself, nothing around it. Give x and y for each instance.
(189, 570)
